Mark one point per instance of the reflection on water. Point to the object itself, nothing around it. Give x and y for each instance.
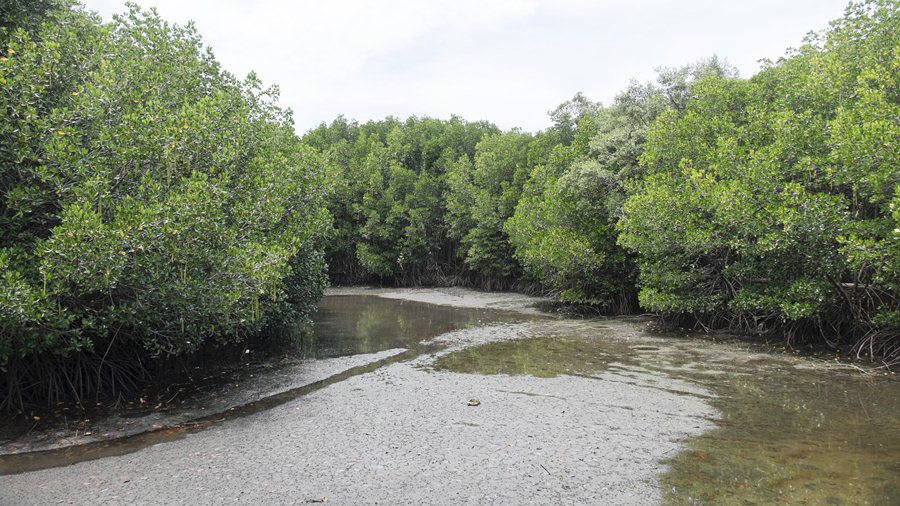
(354, 324)
(344, 325)
(787, 434)
(794, 436)
(543, 357)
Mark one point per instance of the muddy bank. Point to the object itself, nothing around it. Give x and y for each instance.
(225, 396)
(405, 431)
(455, 297)
(569, 411)
(349, 332)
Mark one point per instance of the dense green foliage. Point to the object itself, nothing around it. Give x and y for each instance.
(767, 202)
(151, 203)
(389, 182)
(424, 201)
(564, 228)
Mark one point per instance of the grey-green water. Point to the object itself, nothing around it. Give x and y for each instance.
(354, 324)
(343, 326)
(791, 430)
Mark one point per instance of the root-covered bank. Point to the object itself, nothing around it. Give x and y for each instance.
(764, 205)
(152, 204)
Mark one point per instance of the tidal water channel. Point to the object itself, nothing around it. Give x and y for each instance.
(788, 430)
(375, 406)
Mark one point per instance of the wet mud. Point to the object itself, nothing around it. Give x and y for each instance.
(566, 411)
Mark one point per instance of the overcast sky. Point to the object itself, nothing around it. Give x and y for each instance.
(506, 61)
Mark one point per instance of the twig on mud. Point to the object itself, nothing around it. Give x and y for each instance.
(859, 369)
(545, 469)
(174, 396)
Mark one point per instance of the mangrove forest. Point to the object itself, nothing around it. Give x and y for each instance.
(154, 206)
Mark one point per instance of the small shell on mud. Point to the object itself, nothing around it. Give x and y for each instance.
(473, 402)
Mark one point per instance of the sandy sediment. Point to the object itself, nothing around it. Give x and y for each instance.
(405, 432)
(455, 297)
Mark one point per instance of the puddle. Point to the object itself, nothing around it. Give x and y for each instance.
(794, 436)
(355, 324)
(787, 433)
(543, 357)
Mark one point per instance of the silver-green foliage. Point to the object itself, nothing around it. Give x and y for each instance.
(768, 201)
(146, 196)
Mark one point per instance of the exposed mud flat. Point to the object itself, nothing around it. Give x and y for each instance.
(454, 297)
(570, 411)
(223, 397)
(406, 431)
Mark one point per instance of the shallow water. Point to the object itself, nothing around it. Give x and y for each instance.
(354, 324)
(791, 430)
(795, 436)
(344, 326)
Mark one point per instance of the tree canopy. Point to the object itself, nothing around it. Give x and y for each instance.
(767, 201)
(765, 204)
(153, 205)
(150, 201)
